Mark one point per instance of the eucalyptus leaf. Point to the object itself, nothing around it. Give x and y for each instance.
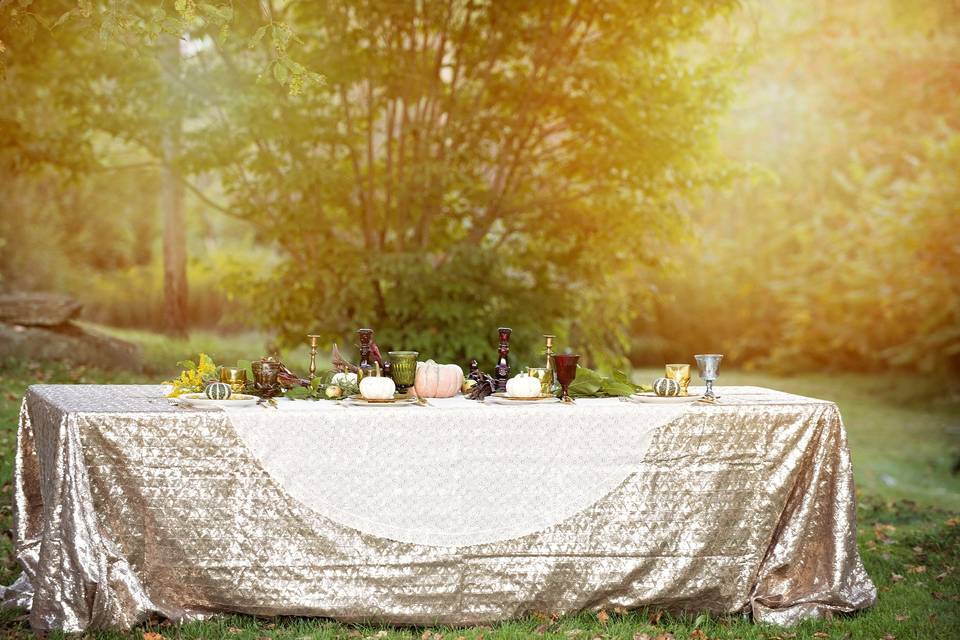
(298, 393)
(616, 388)
(589, 383)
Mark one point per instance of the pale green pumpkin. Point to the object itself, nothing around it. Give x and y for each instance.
(218, 391)
(666, 387)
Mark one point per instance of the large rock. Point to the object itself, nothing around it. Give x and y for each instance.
(38, 309)
(67, 343)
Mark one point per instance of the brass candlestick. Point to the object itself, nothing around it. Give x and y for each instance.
(313, 354)
(549, 351)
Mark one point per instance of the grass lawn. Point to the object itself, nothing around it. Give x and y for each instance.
(904, 435)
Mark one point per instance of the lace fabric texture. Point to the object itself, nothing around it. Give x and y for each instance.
(127, 507)
(451, 474)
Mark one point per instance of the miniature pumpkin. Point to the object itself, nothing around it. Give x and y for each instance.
(218, 391)
(666, 387)
(523, 386)
(344, 378)
(437, 380)
(377, 388)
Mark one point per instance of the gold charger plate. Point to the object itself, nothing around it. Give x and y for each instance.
(391, 402)
(542, 398)
(652, 398)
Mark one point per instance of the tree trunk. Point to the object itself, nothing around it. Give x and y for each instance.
(171, 204)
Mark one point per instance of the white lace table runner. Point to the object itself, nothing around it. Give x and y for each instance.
(456, 473)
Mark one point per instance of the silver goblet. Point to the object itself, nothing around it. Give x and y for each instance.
(709, 366)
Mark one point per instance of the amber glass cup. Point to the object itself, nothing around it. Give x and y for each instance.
(565, 368)
(235, 377)
(680, 373)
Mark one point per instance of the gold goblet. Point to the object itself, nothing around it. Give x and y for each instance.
(236, 378)
(545, 376)
(680, 373)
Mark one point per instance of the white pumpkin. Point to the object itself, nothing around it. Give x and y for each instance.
(523, 386)
(438, 380)
(344, 378)
(377, 388)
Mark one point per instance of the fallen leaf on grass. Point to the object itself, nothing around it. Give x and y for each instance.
(383, 633)
(664, 636)
(425, 636)
(821, 634)
(234, 630)
(919, 568)
(896, 577)
(152, 635)
(655, 617)
(573, 633)
(918, 549)
(952, 522)
(901, 618)
(698, 634)
(889, 636)
(641, 636)
(882, 532)
(603, 617)
(620, 611)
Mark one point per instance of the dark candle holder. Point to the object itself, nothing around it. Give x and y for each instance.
(365, 368)
(501, 372)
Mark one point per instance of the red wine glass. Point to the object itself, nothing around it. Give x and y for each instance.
(565, 366)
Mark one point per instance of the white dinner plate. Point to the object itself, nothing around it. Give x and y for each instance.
(360, 401)
(502, 398)
(652, 398)
(201, 400)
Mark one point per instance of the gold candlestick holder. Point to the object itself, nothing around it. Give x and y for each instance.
(313, 354)
(549, 351)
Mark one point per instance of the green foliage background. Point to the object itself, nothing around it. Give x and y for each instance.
(777, 181)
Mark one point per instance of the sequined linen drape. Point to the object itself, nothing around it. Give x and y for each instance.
(127, 507)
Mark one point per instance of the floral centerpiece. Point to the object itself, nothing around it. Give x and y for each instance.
(194, 377)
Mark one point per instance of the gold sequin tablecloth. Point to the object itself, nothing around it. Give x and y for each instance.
(127, 507)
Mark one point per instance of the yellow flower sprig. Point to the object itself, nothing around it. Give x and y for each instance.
(194, 377)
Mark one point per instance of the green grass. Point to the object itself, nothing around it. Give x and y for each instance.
(161, 353)
(904, 434)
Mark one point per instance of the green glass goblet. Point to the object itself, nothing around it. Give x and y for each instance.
(403, 369)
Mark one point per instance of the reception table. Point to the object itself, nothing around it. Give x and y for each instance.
(129, 506)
